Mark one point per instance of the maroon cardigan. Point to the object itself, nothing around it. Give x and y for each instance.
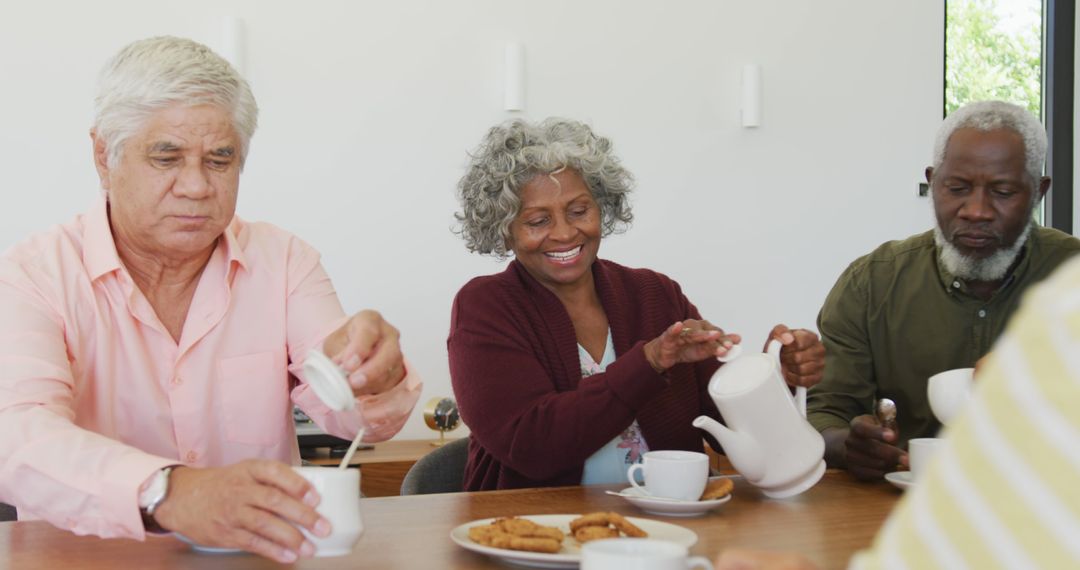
(516, 375)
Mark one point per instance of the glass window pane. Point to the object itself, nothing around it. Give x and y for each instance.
(993, 50)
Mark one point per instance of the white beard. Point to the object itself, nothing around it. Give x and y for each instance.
(992, 268)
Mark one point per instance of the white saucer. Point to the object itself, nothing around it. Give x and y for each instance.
(900, 479)
(670, 507)
(206, 549)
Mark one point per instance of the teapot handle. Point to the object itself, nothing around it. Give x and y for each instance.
(773, 349)
(800, 400)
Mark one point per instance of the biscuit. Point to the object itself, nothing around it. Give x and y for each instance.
(591, 519)
(586, 533)
(482, 534)
(518, 534)
(716, 489)
(626, 527)
(525, 543)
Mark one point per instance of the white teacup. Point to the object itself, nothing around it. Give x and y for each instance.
(638, 554)
(920, 452)
(339, 490)
(672, 474)
(948, 392)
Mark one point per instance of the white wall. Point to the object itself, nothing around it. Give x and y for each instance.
(368, 109)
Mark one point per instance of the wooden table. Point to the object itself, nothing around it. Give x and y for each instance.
(827, 524)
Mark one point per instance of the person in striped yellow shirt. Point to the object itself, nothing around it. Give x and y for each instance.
(1004, 489)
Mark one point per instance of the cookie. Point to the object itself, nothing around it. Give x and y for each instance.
(626, 527)
(586, 533)
(717, 488)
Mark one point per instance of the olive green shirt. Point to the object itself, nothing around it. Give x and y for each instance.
(896, 317)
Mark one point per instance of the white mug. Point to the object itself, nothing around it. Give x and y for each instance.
(672, 474)
(948, 391)
(920, 451)
(638, 554)
(339, 491)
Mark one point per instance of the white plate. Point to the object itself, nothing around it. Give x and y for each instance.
(570, 554)
(901, 479)
(669, 507)
(206, 549)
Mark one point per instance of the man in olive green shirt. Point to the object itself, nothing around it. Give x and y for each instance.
(937, 300)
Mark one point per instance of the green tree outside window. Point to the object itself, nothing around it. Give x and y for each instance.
(987, 57)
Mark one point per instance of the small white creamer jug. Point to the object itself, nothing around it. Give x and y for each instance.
(767, 437)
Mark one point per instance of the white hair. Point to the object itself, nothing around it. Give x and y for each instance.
(156, 73)
(991, 268)
(991, 116)
(514, 153)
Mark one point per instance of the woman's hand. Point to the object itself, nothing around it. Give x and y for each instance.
(802, 358)
(367, 348)
(688, 341)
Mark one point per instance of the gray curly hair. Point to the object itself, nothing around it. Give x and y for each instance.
(994, 115)
(149, 75)
(514, 153)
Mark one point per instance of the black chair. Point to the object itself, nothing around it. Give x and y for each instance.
(441, 471)
(7, 513)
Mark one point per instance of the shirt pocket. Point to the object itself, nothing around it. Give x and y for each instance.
(256, 399)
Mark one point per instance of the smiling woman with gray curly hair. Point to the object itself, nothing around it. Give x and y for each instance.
(514, 153)
(567, 367)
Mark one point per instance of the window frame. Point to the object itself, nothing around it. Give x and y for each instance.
(1059, 33)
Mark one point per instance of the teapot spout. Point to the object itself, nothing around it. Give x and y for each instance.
(744, 453)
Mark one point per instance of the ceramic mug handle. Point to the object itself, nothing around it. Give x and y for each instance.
(633, 481)
(699, 562)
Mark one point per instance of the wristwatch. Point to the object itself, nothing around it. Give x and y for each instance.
(152, 497)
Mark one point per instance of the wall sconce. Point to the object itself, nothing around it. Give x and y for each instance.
(514, 77)
(234, 42)
(751, 96)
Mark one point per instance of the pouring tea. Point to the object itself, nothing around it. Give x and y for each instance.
(767, 437)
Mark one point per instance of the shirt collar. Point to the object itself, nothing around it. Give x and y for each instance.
(99, 249)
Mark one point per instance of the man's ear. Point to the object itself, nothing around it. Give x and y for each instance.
(929, 175)
(1044, 185)
(101, 159)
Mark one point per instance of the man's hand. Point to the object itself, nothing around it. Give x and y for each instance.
(688, 341)
(367, 348)
(738, 559)
(251, 505)
(869, 449)
(802, 358)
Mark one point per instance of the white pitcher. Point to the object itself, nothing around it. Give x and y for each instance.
(767, 437)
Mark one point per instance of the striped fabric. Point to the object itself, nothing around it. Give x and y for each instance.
(1004, 490)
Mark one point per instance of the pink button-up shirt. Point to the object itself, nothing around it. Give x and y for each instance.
(95, 395)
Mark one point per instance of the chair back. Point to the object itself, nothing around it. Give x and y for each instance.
(441, 471)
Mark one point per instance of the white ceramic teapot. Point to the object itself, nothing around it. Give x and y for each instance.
(767, 437)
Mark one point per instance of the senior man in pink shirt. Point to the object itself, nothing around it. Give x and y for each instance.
(147, 345)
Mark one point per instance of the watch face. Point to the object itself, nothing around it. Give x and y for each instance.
(155, 489)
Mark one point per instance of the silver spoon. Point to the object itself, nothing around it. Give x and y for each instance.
(649, 497)
(885, 409)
